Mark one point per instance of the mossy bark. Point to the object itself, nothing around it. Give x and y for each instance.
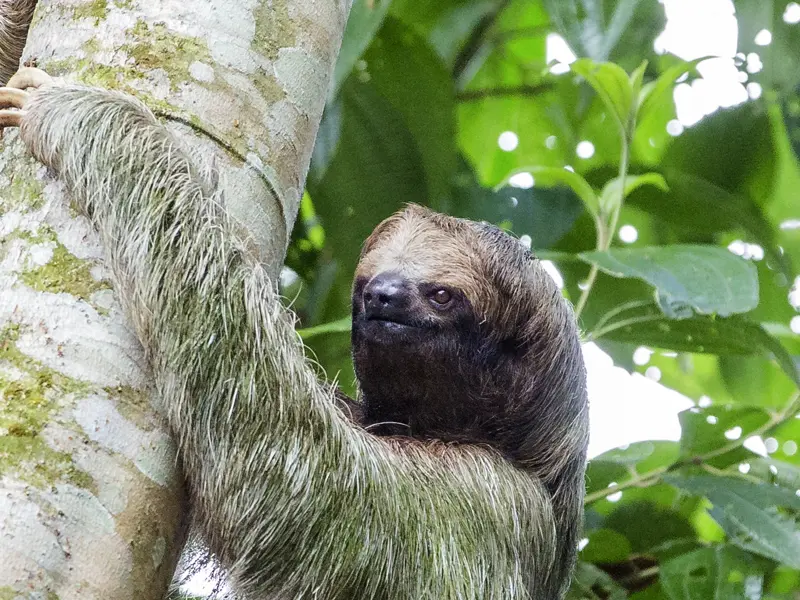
(91, 502)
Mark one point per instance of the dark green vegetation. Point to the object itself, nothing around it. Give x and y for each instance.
(423, 91)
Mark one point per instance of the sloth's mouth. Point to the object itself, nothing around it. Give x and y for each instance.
(389, 329)
(392, 322)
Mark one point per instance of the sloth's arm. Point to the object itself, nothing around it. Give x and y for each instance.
(294, 499)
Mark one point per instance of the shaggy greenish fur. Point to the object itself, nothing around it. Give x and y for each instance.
(295, 500)
(15, 18)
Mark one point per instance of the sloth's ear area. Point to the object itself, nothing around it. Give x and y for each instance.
(14, 97)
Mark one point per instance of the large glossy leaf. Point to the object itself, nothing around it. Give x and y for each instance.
(698, 208)
(708, 574)
(398, 56)
(363, 23)
(702, 279)
(749, 514)
(377, 168)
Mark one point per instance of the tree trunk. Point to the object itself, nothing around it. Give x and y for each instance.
(91, 502)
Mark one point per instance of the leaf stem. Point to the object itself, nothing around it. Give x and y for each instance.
(600, 332)
(605, 235)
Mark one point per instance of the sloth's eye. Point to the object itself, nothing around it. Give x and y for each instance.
(441, 297)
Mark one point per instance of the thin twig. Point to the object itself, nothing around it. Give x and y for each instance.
(476, 40)
(501, 92)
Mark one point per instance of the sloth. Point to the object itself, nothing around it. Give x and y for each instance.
(457, 473)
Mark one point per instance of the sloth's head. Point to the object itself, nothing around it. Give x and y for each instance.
(459, 334)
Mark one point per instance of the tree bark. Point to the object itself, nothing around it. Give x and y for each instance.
(91, 501)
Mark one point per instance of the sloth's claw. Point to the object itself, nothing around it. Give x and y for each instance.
(11, 118)
(29, 77)
(13, 98)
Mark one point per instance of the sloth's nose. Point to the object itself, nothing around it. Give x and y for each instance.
(386, 296)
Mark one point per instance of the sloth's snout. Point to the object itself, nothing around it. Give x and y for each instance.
(387, 297)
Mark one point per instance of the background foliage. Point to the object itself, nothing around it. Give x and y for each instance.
(422, 92)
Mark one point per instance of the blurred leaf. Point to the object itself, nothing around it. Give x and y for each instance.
(747, 512)
(716, 573)
(622, 31)
(363, 23)
(590, 583)
(655, 91)
(549, 177)
(610, 195)
(639, 459)
(755, 381)
(544, 215)
(605, 546)
(704, 279)
(786, 436)
(446, 24)
(645, 525)
(781, 64)
(613, 86)
(775, 471)
(397, 56)
(327, 142)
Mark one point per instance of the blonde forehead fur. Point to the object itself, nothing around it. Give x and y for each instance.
(425, 246)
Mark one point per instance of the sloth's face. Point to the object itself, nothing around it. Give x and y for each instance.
(419, 343)
(416, 284)
(391, 309)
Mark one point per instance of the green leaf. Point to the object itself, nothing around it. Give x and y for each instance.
(708, 429)
(653, 92)
(606, 546)
(610, 195)
(715, 573)
(398, 55)
(781, 67)
(364, 21)
(702, 279)
(339, 326)
(646, 525)
(549, 177)
(622, 31)
(543, 214)
(613, 86)
(590, 582)
(637, 79)
(747, 512)
(701, 334)
(618, 466)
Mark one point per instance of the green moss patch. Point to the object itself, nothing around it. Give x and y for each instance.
(27, 404)
(64, 273)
